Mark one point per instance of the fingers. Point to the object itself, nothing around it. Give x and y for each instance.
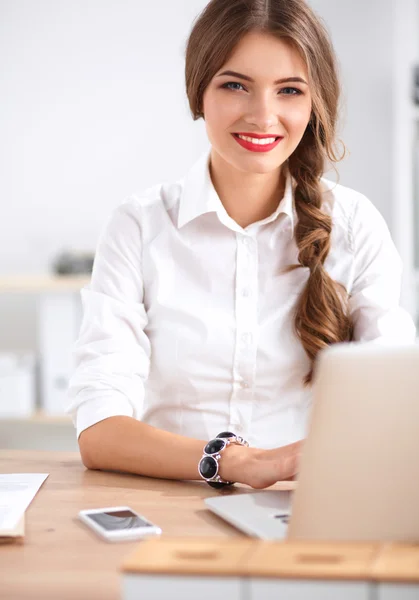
(277, 464)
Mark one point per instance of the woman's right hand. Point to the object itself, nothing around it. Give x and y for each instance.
(261, 468)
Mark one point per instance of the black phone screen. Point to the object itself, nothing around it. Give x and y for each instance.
(118, 519)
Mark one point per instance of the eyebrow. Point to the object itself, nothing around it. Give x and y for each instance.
(247, 78)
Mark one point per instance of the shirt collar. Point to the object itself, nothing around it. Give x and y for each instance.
(198, 196)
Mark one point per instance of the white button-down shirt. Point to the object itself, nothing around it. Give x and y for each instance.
(188, 319)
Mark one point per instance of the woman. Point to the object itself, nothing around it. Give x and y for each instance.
(211, 296)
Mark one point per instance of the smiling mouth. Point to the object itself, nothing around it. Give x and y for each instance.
(277, 137)
(262, 145)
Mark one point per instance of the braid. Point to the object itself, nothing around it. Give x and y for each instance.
(321, 314)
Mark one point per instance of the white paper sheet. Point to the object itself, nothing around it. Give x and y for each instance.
(17, 491)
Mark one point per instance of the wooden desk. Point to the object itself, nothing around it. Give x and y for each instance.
(60, 557)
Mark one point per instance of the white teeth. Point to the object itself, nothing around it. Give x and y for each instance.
(261, 142)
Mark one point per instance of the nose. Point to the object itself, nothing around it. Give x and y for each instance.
(262, 113)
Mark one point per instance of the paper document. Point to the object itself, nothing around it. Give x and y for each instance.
(12, 535)
(17, 491)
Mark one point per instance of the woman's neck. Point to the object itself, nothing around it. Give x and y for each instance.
(247, 197)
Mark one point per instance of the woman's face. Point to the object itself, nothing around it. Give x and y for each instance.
(233, 104)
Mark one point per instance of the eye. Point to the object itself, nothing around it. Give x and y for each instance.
(296, 92)
(231, 83)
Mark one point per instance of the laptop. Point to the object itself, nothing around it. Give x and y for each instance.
(359, 470)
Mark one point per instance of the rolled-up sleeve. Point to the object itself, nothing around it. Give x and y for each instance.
(112, 352)
(375, 295)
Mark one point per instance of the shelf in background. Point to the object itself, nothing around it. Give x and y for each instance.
(40, 417)
(42, 283)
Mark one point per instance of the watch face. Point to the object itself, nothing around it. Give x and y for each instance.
(214, 446)
(226, 434)
(219, 484)
(208, 467)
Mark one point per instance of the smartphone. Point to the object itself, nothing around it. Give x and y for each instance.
(118, 523)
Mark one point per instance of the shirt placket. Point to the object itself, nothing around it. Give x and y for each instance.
(244, 367)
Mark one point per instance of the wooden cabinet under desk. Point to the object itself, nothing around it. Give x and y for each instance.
(58, 323)
(252, 569)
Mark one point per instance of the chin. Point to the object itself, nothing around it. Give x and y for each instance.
(261, 165)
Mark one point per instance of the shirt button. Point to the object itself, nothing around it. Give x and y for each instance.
(246, 292)
(244, 384)
(247, 338)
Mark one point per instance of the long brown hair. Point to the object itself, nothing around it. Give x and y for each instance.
(321, 314)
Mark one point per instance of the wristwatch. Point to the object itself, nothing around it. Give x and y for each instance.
(208, 465)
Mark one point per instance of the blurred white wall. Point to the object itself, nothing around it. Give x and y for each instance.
(362, 32)
(93, 108)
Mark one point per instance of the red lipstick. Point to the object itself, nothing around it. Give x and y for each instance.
(257, 147)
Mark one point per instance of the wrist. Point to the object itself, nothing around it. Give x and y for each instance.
(236, 462)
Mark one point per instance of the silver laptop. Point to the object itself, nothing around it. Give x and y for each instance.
(359, 471)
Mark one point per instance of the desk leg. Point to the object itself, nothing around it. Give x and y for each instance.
(59, 319)
(308, 589)
(160, 586)
(397, 591)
